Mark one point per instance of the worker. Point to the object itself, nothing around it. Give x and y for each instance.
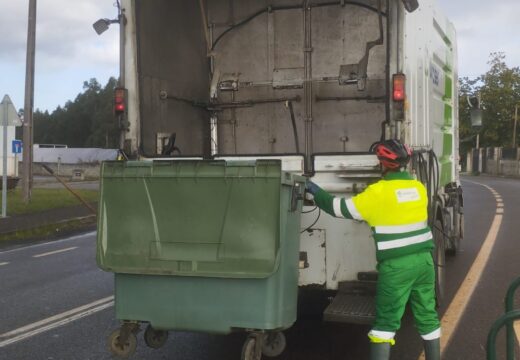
(396, 210)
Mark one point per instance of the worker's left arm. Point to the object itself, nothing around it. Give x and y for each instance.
(335, 206)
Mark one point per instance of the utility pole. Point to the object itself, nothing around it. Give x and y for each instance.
(514, 126)
(4, 155)
(100, 27)
(29, 104)
(122, 38)
(476, 115)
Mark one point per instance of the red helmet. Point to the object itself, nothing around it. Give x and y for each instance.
(392, 153)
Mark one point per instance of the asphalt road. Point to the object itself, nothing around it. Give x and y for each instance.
(55, 304)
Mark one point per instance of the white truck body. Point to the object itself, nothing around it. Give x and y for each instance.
(223, 75)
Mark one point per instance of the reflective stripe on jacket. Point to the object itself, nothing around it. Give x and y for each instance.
(396, 208)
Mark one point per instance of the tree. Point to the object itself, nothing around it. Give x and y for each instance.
(88, 121)
(499, 90)
(468, 88)
(104, 131)
(500, 93)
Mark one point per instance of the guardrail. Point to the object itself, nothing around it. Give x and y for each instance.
(505, 320)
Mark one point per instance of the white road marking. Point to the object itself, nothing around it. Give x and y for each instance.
(75, 237)
(4, 263)
(55, 252)
(55, 321)
(453, 314)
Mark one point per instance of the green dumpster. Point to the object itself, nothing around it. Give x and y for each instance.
(207, 246)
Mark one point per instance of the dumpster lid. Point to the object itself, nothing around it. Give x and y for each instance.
(193, 217)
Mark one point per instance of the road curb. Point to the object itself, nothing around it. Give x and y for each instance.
(52, 231)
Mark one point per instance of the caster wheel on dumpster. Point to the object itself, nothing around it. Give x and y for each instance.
(252, 349)
(122, 349)
(274, 344)
(155, 338)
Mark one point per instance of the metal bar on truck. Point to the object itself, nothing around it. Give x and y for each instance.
(350, 98)
(249, 103)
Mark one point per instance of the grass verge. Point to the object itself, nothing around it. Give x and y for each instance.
(44, 199)
(50, 230)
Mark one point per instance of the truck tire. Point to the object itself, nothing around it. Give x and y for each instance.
(439, 260)
(454, 243)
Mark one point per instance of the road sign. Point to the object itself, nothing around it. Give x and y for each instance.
(12, 116)
(17, 146)
(8, 117)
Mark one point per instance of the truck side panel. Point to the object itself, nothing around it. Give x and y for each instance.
(431, 66)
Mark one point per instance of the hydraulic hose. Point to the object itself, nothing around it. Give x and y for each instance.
(289, 7)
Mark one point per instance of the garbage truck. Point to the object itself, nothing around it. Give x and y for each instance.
(295, 87)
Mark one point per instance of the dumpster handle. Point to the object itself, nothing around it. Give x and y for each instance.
(226, 211)
(296, 196)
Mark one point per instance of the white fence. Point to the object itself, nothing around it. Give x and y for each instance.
(494, 161)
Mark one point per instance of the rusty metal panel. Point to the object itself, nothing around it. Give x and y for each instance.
(172, 58)
(264, 55)
(339, 37)
(267, 51)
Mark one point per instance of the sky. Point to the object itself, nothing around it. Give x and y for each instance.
(69, 52)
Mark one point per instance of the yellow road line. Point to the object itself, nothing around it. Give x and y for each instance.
(4, 263)
(453, 314)
(55, 252)
(516, 326)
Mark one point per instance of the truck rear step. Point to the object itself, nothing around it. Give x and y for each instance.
(351, 308)
(355, 301)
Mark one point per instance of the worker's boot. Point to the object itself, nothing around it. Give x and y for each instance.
(432, 349)
(380, 351)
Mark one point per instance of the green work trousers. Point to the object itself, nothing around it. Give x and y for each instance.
(406, 278)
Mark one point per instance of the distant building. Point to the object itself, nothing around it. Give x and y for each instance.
(77, 163)
(66, 155)
(49, 146)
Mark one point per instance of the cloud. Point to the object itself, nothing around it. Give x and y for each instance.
(68, 51)
(64, 34)
(484, 27)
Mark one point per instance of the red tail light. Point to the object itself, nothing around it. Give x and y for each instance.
(120, 101)
(399, 81)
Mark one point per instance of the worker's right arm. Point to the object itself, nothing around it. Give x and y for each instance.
(335, 206)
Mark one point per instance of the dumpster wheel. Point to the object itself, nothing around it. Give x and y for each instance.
(121, 349)
(274, 344)
(155, 338)
(252, 349)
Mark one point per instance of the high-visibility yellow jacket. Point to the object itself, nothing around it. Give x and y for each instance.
(396, 208)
